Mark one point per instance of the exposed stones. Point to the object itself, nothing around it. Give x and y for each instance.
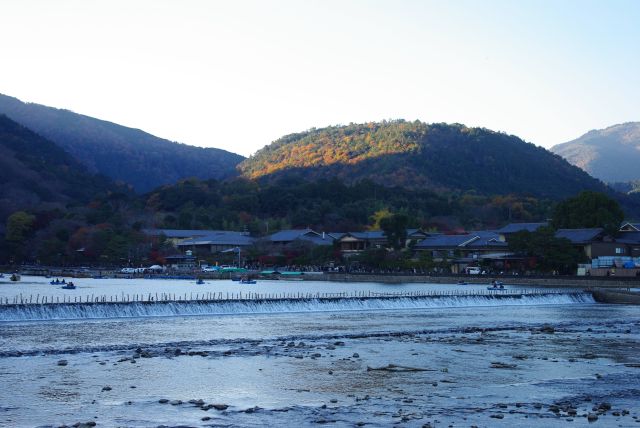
(163, 400)
(547, 328)
(500, 365)
(220, 406)
(592, 417)
(106, 388)
(62, 362)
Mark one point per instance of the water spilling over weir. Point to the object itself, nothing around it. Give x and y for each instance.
(165, 306)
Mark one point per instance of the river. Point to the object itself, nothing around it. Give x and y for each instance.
(445, 361)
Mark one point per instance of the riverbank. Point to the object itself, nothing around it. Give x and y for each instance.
(387, 278)
(541, 281)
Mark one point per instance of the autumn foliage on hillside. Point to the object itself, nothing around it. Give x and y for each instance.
(441, 157)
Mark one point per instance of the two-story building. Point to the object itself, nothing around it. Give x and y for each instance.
(287, 237)
(466, 249)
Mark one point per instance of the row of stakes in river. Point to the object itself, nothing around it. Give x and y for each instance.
(253, 296)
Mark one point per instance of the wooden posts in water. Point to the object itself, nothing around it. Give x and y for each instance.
(220, 296)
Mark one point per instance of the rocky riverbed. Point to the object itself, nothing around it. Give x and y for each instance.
(548, 366)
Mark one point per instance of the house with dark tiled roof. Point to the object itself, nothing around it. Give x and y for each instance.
(630, 227)
(181, 261)
(286, 237)
(512, 228)
(176, 235)
(632, 241)
(355, 242)
(216, 241)
(416, 235)
(467, 249)
(476, 244)
(596, 243)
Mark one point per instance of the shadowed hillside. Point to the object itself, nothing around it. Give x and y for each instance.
(611, 154)
(35, 172)
(124, 154)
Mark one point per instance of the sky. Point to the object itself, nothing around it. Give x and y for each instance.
(239, 74)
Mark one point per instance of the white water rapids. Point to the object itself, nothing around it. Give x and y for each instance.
(35, 312)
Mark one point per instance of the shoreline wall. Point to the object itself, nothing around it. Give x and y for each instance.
(571, 282)
(618, 297)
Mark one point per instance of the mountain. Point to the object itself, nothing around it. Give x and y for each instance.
(124, 154)
(418, 155)
(611, 154)
(34, 172)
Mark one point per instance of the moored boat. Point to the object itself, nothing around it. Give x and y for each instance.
(69, 286)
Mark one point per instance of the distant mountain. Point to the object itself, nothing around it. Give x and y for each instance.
(124, 154)
(418, 155)
(611, 154)
(34, 172)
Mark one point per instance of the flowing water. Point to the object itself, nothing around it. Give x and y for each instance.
(485, 360)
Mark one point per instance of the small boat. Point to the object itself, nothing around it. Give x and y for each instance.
(248, 281)
(462, 283)
(1, 275)
(200, 281)
(496, 285)
(235, 279)
(69, 286)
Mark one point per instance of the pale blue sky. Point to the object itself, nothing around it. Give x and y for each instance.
(239, 74)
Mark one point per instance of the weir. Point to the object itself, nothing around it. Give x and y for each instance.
(38, 299)
(256, 303)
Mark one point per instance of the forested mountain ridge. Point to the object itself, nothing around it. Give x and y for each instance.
(611, 154)
(418, 155)
(35, 172)
(123, 154)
